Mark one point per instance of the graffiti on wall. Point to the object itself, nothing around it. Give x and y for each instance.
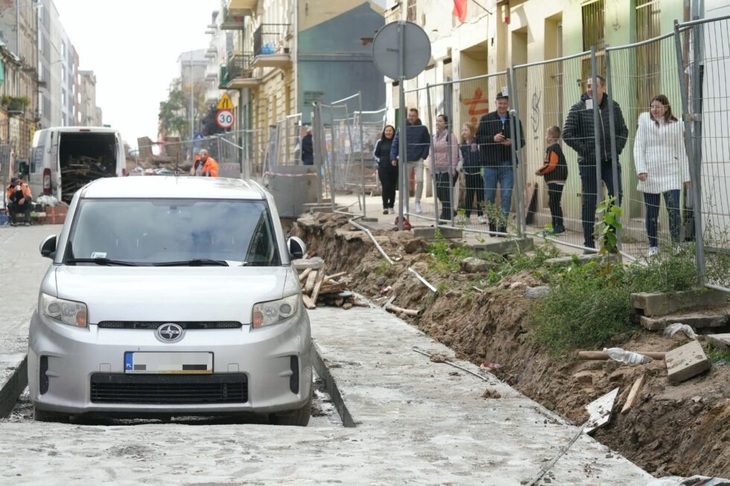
(535, 115)
(476, 106)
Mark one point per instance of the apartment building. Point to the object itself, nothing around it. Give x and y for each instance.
(287, 54)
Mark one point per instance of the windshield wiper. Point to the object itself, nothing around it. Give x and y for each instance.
(101, 261)
(195, 262)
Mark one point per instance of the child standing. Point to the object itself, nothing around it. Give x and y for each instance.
(472, 168)
(555, 171)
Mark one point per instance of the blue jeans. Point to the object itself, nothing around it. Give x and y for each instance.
(671, 199)
(505, 177)
(589, 195)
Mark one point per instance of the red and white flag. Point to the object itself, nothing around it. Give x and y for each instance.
(460, 10)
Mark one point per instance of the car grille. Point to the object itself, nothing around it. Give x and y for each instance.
(169, 389)
(155, 324)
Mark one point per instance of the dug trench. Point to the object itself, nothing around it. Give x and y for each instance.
(670, 430)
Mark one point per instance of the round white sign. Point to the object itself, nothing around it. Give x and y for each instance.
(224, 118)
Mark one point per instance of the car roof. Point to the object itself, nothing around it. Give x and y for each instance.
(173, 187)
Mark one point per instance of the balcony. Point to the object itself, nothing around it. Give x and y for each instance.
(269, 46)
(237, 73)
(234, 12)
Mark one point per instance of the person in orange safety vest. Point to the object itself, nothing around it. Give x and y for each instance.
(206, 166)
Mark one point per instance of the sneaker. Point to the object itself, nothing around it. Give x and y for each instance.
(482, 220)
(559, 231)
(653, 251)
(391, 211)
(419, 210)
(385, 210)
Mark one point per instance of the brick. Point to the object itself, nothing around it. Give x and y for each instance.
(686, 362)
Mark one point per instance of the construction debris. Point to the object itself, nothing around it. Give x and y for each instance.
(320, 288)
(633, 394)
(603, 355)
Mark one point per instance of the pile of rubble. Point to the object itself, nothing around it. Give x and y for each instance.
(320, 288)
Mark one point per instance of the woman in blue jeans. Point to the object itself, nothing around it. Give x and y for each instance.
(661, 166)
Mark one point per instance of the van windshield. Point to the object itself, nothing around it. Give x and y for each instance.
(172, 231)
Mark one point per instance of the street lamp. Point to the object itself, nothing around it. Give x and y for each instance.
(192, 93)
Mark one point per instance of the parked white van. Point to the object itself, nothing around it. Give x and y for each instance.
(64, 159)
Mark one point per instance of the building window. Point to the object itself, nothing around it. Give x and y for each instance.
(648, 56)
(593, 36)
(411, 11)
(593, 25)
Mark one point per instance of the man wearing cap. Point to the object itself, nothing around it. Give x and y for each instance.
(494, 137)
(579, 132)
(19, 198)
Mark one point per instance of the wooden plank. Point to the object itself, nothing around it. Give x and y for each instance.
(308, 302)
(333, 276)
(633, 394)
(309, 286)
(315, 292)
(304, 274)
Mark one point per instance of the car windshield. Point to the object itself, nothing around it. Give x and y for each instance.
(175, 232)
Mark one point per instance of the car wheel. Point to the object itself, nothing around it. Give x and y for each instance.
(299, 417)
(46, 416)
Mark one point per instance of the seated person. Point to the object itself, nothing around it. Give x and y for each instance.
(19, 199)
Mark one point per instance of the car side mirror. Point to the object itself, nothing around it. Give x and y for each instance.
(296, 247)
(48, 246)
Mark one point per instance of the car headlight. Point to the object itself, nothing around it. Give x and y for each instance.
(275, 311)
(64, 311)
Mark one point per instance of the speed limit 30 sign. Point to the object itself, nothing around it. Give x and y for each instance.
(224, 118)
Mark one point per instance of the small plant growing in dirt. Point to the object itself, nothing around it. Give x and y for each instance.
(448, 255)
(718, 355)
(589, 305)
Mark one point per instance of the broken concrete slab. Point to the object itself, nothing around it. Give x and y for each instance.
(661, 304)
(430, 233)
(719, 341)
(505, 246)
(697, 320)
(686, 362)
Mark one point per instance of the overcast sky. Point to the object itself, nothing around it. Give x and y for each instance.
(133, 47)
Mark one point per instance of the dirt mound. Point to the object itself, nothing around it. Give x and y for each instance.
(671, 430)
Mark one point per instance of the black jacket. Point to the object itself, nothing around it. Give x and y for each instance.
(418, 143)
(492, 154)
(307, 150)
(579, 133)
(382, 152)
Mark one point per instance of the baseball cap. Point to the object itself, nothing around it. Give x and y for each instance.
(14, 179)
(502, 95)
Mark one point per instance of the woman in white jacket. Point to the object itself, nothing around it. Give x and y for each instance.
(661, 166)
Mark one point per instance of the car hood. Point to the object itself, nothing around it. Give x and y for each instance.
(175, 293)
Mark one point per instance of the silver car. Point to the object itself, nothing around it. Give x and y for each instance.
(171, 296)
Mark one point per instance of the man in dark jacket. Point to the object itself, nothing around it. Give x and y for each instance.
(579, 133)
(307, 147)
(494, 137)
(418, 144)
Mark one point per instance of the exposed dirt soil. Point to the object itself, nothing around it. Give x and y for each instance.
(672, 430)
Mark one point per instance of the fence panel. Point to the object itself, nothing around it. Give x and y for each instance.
(704, 47)
(636, 74)
(346, 139)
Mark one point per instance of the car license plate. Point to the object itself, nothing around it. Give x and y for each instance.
(181, 362)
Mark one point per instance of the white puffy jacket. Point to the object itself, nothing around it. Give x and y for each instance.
(659, 152)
